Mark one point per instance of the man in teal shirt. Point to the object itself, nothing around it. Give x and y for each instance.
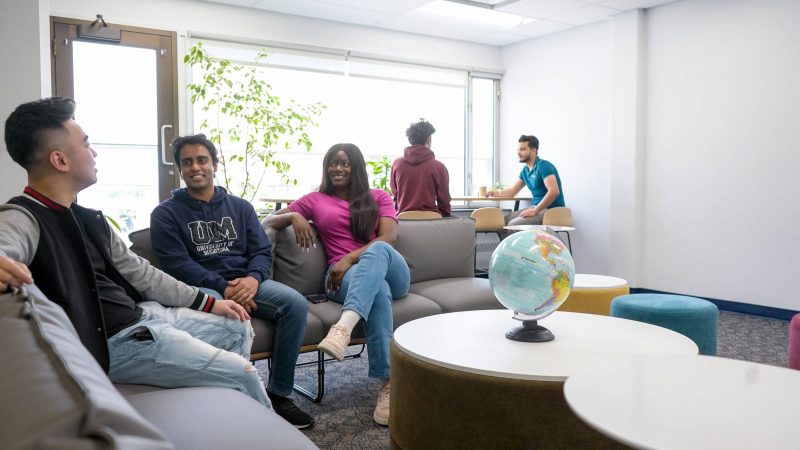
(542, 179)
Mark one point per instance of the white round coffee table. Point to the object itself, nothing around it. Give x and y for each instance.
(475, 342)
(457, 379)
(689, 402)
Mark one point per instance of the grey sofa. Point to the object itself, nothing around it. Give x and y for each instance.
(55, 395)
(440, 255)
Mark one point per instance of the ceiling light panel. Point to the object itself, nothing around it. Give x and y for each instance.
(386, 6)
(471, 15)
(631, 4)
(542, 9)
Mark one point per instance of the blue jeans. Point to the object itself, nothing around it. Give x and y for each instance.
(288, 309)
(185, 348)
(368, 288)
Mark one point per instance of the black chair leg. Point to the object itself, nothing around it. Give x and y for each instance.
(320, 362)
(316, 398)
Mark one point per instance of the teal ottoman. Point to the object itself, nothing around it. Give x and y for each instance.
(693, 317)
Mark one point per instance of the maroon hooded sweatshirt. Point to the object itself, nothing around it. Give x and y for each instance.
(420, 182)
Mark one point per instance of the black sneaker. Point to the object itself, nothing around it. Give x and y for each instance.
(286, 408)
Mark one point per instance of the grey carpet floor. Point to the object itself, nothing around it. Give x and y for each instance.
(344, 418)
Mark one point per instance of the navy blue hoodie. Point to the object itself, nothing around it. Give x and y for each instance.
(205, 244)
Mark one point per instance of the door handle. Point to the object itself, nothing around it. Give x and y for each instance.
(164, 146)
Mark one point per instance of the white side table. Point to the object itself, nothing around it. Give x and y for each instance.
(593, 293)
(689, 402)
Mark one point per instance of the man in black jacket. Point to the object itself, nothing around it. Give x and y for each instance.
(141, 325)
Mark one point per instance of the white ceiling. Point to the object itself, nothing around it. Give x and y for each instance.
(406, 15)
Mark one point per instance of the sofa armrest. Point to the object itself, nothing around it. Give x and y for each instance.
(59, 394)
(302, 270)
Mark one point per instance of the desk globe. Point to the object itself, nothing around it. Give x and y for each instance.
(531, 273)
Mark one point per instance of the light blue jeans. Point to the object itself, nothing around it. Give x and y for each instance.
(368, 288)
(286, 307)
(185, 348)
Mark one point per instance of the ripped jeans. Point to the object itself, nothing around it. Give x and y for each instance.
(181, 347)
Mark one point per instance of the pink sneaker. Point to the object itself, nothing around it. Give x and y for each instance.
(381, 414)
(335, 343)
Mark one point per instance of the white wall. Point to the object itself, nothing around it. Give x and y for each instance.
(558, 88)
(26, 75)
(723, 115)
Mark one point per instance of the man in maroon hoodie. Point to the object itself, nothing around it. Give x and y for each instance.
(420, 182)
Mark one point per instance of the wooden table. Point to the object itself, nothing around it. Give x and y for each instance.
(280, 201)
(689, 402)
(457, 380)
(470, 199)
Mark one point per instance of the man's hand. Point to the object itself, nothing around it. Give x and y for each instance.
(337, 273)
(242, 291)
(492, 194)
(528, 213)
(231, 309)
(13, 273)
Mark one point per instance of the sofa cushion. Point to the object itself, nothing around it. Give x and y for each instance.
(458, 294)
(302, 270)
(404, 309)
(437, 248)
(210, 418)
(54, 394)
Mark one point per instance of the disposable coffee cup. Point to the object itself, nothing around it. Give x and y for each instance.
(482, 191)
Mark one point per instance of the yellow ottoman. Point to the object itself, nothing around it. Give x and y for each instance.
(593, 294)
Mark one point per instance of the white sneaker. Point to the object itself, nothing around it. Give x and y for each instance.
(335, 343)
(381, 414)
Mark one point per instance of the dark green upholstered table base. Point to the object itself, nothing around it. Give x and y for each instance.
(434, 407)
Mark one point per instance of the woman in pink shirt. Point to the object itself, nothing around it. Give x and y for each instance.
(357, 226)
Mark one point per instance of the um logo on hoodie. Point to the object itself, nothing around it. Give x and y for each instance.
(213, 237)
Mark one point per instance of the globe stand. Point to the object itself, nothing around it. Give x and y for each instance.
(530, 331)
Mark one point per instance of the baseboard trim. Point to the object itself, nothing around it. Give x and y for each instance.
(727, 305)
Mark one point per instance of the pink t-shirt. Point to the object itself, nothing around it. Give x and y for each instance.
(331, 216)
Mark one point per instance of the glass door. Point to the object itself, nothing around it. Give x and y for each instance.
(123, 80)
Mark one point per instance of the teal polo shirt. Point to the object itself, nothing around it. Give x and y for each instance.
(534, 179)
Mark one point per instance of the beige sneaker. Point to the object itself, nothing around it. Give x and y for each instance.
(335, 343)
(381, 414)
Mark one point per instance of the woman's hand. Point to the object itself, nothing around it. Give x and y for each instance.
(302, 232)
(337, 273)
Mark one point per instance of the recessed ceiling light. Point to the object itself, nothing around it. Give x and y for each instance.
(482, 14)
(491, 4)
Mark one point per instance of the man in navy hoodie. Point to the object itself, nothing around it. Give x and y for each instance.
(207, 238)
(419, 182)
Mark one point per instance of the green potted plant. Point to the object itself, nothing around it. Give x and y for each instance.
(381, 171)
(247, 122)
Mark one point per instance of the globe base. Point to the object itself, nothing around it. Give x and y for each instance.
(530, 331)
